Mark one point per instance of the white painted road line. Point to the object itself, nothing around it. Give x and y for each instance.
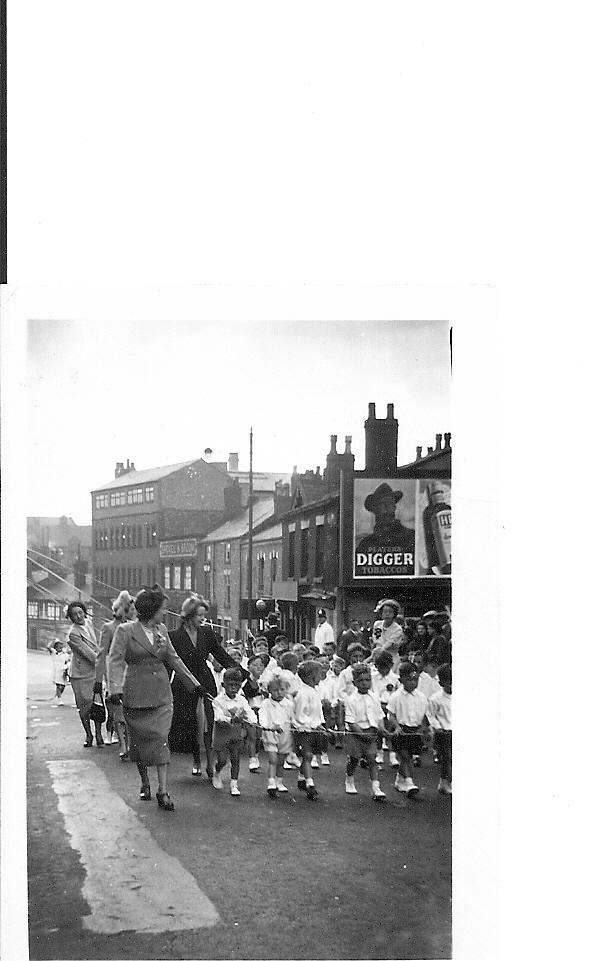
(131, 884)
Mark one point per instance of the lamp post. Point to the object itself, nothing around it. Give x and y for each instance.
(250, 540)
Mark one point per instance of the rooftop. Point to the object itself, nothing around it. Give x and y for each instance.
(134, 477)
(238, 526)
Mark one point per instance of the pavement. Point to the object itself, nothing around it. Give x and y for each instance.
(113, 877)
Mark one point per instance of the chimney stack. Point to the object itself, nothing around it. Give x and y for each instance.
(437, 441)
(119, 469)
(429, 451)
(318, 471)
(232, 498)
(381, 440)
(234, 461)
(338, 462)
(418, 453)
(282, 498)
(447, 438)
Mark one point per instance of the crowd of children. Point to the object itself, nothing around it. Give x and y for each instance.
(299, 702)
(370, 697)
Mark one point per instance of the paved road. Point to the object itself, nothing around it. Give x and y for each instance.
(221, 877)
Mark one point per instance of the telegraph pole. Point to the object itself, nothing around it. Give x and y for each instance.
(250, 526)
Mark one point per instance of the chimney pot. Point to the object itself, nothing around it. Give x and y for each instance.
(333, 443)
(418, 453)
(348, 444)
(447, 438)
(429, 450)
(128, 468)
(389, 411)
(318, 471)
(437, 441)
(132, 466)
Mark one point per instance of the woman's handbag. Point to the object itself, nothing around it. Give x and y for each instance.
(97, 712)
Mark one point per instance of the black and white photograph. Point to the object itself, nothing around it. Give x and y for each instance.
(210, 774)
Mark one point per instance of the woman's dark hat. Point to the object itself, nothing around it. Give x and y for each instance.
(383, 490)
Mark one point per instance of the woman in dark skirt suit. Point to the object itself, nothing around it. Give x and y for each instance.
(193, 641)
(138, 666)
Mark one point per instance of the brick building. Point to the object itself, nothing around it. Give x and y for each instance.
(58, 571)
(137, 510)
(318, 537)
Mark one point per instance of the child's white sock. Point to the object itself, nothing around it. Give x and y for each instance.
(309, 782)
(272, 782)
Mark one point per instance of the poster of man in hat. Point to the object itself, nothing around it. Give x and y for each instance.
(384, 527)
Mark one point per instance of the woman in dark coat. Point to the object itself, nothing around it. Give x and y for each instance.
(193, 641)
(139, 664)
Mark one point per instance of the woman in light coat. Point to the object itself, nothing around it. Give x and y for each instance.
(139, 664)
(123, 609)
(82, 641)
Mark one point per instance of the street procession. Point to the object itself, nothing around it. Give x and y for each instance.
(242, 652)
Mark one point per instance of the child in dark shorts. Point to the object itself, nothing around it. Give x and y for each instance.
(406, 712)
(308, 721)
(364, 719)
(439, 715)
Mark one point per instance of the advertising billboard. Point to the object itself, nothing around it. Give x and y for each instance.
(402, 528)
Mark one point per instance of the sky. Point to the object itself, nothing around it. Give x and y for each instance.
(159, 393)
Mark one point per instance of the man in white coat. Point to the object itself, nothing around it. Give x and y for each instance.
(324, 631)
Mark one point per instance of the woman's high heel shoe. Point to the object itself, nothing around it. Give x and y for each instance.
(164, 801)
(145, 793)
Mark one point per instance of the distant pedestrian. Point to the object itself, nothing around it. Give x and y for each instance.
(324, 632)
(82, 671)
(60, 667)
(273, 630)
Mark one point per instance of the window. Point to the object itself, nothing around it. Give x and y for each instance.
(111, 582)
(128, 577)
(102, 501)
(208, 553)
(133, 581)
(227, 590)
(274, 559)
(118, 499)
(139, 537)
(147, 534)
(139, 577)
(123, 581)
(135, 495)
(128, 537)
(291, 553)
(167, 576)
(319, 550)
(177, 577)
(134, 537)
(304, 552)
(112, 538)
(32, 609)
(261, 560)
(227, 553)
(122, 537)
(187, 577)
(149, 495)
(153, 537)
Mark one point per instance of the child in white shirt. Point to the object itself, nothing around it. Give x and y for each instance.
(439, 715)
(332, 696)
(253, 690)
(308, 721)
(60, 667)
(364, 719)
(231, 715)
(406, 712)
(275, 716)
(429, 685)
(384, 683)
